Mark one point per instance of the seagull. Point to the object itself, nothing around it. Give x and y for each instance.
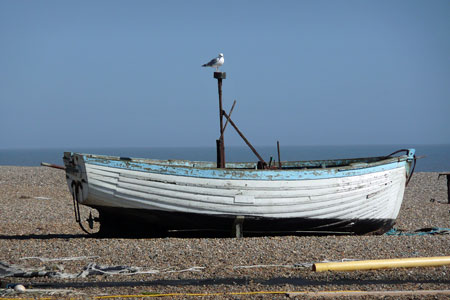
(215, 62)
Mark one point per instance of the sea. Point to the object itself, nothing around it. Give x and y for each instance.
(434, 158)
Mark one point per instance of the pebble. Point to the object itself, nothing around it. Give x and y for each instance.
(19, 288)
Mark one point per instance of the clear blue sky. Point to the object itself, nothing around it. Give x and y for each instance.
(127, 73)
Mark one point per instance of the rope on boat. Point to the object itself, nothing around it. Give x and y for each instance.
(423, 231)
(76, 188)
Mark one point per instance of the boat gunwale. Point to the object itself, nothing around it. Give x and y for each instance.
(293, 166)
(286, 165)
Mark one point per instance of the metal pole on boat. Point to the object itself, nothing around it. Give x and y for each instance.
(220, 142)
(279, 157)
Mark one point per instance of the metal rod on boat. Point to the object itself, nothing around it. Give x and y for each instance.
(44, 164)
(221, 148)
(245, 140)
(231, 111)
(279, 156)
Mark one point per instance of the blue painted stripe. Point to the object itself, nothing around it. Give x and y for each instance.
(336, 172)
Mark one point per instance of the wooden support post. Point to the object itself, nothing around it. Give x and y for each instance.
(237, 229)
(221, 160)
(448, 188)
(447, 174)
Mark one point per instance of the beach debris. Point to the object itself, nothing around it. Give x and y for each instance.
(422, 231)
(8, 270)
(20, 289)
(44, 259)
(95, 269)
(432, 200)
(192, 269)
(303, 265)
(42, 198)
(38, 197)
(274, 266)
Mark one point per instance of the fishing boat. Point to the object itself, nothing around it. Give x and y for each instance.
(326, 196)
(350, 196)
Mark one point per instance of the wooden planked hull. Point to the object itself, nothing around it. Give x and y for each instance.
(358, 198)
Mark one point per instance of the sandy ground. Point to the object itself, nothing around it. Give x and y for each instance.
(37, 220)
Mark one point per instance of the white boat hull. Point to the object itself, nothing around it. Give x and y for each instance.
(359, 203)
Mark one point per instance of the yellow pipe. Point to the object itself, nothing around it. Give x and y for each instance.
(382, 264)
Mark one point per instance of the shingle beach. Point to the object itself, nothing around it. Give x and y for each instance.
(38, 232)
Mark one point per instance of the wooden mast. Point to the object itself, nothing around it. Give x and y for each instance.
(220, 142)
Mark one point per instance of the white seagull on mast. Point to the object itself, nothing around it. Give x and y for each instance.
(215, 62)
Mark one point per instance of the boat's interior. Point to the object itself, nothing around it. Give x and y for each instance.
(285, 165)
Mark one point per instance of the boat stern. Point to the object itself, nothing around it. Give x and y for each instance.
(76, 176)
